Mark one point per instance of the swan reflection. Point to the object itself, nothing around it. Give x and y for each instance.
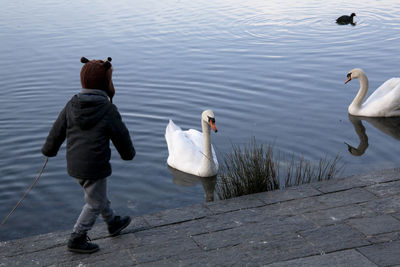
(389, 126)
(186, 179)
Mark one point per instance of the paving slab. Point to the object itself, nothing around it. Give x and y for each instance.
(385, 189)
(291, 207)
(177, 215)
(229, 256)
(290, 193)
(386, 205)
(383, 254)
(284, 247)
(354, 221)
(163, 250)
(349, 257)
(370, 226)
(382, 238)
(243, 202)
(335, 237)
(350, 196)
(338, 214)
(342, 184)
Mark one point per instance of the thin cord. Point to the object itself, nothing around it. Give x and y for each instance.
(26, 193)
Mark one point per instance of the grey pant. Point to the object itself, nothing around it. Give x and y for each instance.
(96, 203)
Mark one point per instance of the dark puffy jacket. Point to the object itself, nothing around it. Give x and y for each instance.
(89, 121)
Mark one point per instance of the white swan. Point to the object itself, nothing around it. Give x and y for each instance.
(384, 102)
(191, 151)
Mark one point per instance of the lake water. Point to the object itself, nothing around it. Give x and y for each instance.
(269, 69)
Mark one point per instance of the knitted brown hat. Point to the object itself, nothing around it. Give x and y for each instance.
(97, 74)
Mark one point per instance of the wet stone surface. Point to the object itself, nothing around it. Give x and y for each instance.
(346, 222)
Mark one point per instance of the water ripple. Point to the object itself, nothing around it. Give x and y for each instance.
(270, 69)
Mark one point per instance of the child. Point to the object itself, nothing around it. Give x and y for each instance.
(88, 121)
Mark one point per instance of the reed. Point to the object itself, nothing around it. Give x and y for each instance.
(257, 168)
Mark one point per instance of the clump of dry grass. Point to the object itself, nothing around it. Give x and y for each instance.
(255, 168)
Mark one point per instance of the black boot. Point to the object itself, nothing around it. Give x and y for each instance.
(79, 243)
(118, 224)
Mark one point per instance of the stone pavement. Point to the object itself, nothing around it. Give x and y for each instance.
(345, 222)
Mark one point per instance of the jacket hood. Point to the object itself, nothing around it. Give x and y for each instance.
(88, 108)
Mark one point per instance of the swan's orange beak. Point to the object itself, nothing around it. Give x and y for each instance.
(213, 126)
(348, 78)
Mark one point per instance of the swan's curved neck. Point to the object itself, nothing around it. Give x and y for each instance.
(360, 131)
(208, 166)
(206, 140)
(362, 92)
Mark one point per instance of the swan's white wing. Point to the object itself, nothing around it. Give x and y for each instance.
(385, 101)
(196, 137)
(383, 90)
(172, 127)
(184, 152)
(170, 132)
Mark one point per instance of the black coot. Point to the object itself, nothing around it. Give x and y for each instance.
(345, 19)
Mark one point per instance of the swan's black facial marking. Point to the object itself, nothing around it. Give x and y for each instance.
(348, 78)
(211, 121)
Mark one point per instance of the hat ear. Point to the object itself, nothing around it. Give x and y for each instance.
(84, 60)
(109, 59)
(107, 65)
